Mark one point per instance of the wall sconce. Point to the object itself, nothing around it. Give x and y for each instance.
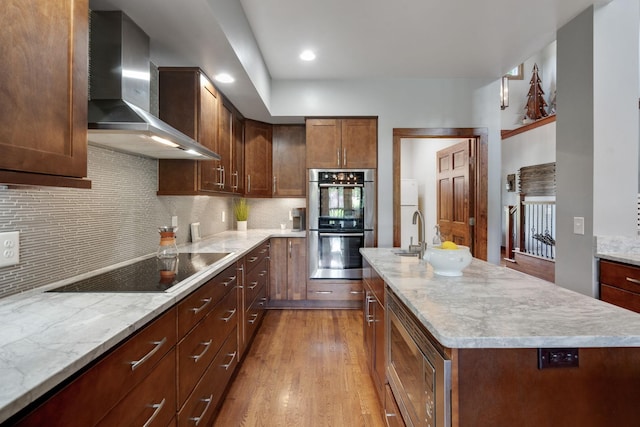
(504, 92)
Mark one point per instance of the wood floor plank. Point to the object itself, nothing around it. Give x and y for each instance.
(305, 368)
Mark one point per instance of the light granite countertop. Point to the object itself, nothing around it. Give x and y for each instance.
(47, 337)
(491, 306)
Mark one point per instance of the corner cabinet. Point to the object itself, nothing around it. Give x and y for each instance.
(347, 143)
(257, 159)
(43, 121)
(289, 154)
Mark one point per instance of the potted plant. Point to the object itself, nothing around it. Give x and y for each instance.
(241, 211)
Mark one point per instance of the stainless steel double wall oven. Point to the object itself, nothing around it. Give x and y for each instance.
(341, 221)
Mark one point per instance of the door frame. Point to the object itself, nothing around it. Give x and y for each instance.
(480, 167)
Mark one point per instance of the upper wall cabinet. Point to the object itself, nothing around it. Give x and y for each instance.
(43, 107)
(189, 102)
(257, 158)
(289, 152)
(343, 143)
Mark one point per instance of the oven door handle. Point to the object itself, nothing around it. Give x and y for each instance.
(341, 234)
(340, 185)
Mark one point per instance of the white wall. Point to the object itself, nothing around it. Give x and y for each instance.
(405, 103)
(597, 135)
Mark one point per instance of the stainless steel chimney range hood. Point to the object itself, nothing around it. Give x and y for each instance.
(119, 93)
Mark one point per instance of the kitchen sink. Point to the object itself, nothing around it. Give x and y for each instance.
(406, 252)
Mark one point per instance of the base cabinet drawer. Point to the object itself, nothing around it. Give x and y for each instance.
(255, 313)
(620, 285)
(200, 407)
(347, 290)
(620, 297)
(152, 403)
(392, 415)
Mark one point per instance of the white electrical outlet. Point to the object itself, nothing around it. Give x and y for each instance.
(9, 248)
(174, 221)
(223, 215)
(290, 215)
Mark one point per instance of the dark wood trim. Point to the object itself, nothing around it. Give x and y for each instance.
(39, 180)
(513, 132)
(480, 165)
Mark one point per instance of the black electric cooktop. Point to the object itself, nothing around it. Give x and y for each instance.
(143, 276)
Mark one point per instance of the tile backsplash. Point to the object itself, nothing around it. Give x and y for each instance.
(65, 232)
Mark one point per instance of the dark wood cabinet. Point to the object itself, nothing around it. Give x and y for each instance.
(189, 102)
(43, 121)
(374, 327)
(237, 174)
(254, 276)
(342, 143)
(230, 149)
(257, 158)
(288, 279)
(289, 161)
(620, 285)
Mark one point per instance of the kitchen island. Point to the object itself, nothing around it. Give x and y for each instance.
(47, 338)
(491, 323)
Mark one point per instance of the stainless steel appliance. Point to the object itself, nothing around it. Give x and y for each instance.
(419, 375)
(341, 221)
(298, 216)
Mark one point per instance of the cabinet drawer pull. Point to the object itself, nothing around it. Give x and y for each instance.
(274, 185)
(290, 248)
(344, 157)
(254, 317)
(632, 280)
(233, 356)
(157, 407)
(231, 279)
(253, 285)
(206, 348)
(205, 302)
(338, 153)
(356, 292)
(248, 183)
(231, 314)
(253, 259)
(324, 292)
(136, 363)
(208, 401)
(263, 273)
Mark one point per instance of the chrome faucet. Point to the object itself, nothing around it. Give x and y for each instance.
(422, 244)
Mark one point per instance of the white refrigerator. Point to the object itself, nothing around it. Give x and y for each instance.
(408, 205)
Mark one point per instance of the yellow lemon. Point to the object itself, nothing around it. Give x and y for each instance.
(448, 245)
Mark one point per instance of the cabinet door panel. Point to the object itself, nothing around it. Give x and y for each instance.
(225, 141)
(359, 143)
(237, 174)
(43, 121)
(257, 159)
(278, 275)
(297, 271)
(289, 165)
(323, 138)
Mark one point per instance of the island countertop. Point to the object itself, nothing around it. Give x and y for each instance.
(47, 337)
(490, 306)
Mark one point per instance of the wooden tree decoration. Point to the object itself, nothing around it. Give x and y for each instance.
(535, 108)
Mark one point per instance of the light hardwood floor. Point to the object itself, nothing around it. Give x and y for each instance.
(305, 368)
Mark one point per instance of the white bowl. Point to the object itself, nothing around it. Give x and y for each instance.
(448, 262)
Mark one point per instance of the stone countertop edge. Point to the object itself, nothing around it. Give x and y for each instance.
(47, 337)
(491, 306)
(625, 258)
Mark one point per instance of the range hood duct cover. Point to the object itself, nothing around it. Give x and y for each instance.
(119, 93)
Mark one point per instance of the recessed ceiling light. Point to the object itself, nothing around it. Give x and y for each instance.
(224, 78)
(307, 55)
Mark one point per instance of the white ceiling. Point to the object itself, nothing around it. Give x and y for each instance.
(353, 39)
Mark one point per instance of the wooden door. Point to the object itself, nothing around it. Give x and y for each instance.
(43, 110)
(324, 147)
(289, 172)
(257, 158)
(359, 143)
(453, 187)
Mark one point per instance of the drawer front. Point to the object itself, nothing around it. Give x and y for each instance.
(256, 279)
(256, 256)
(348, 291)
(620, 297)
(197, 305)
(255, 313)
(152, 402)
(83, 403)
(201, 404)
(200, 346)
(623, 276)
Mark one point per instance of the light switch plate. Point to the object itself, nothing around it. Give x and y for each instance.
(578, 225)
(9, 248)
